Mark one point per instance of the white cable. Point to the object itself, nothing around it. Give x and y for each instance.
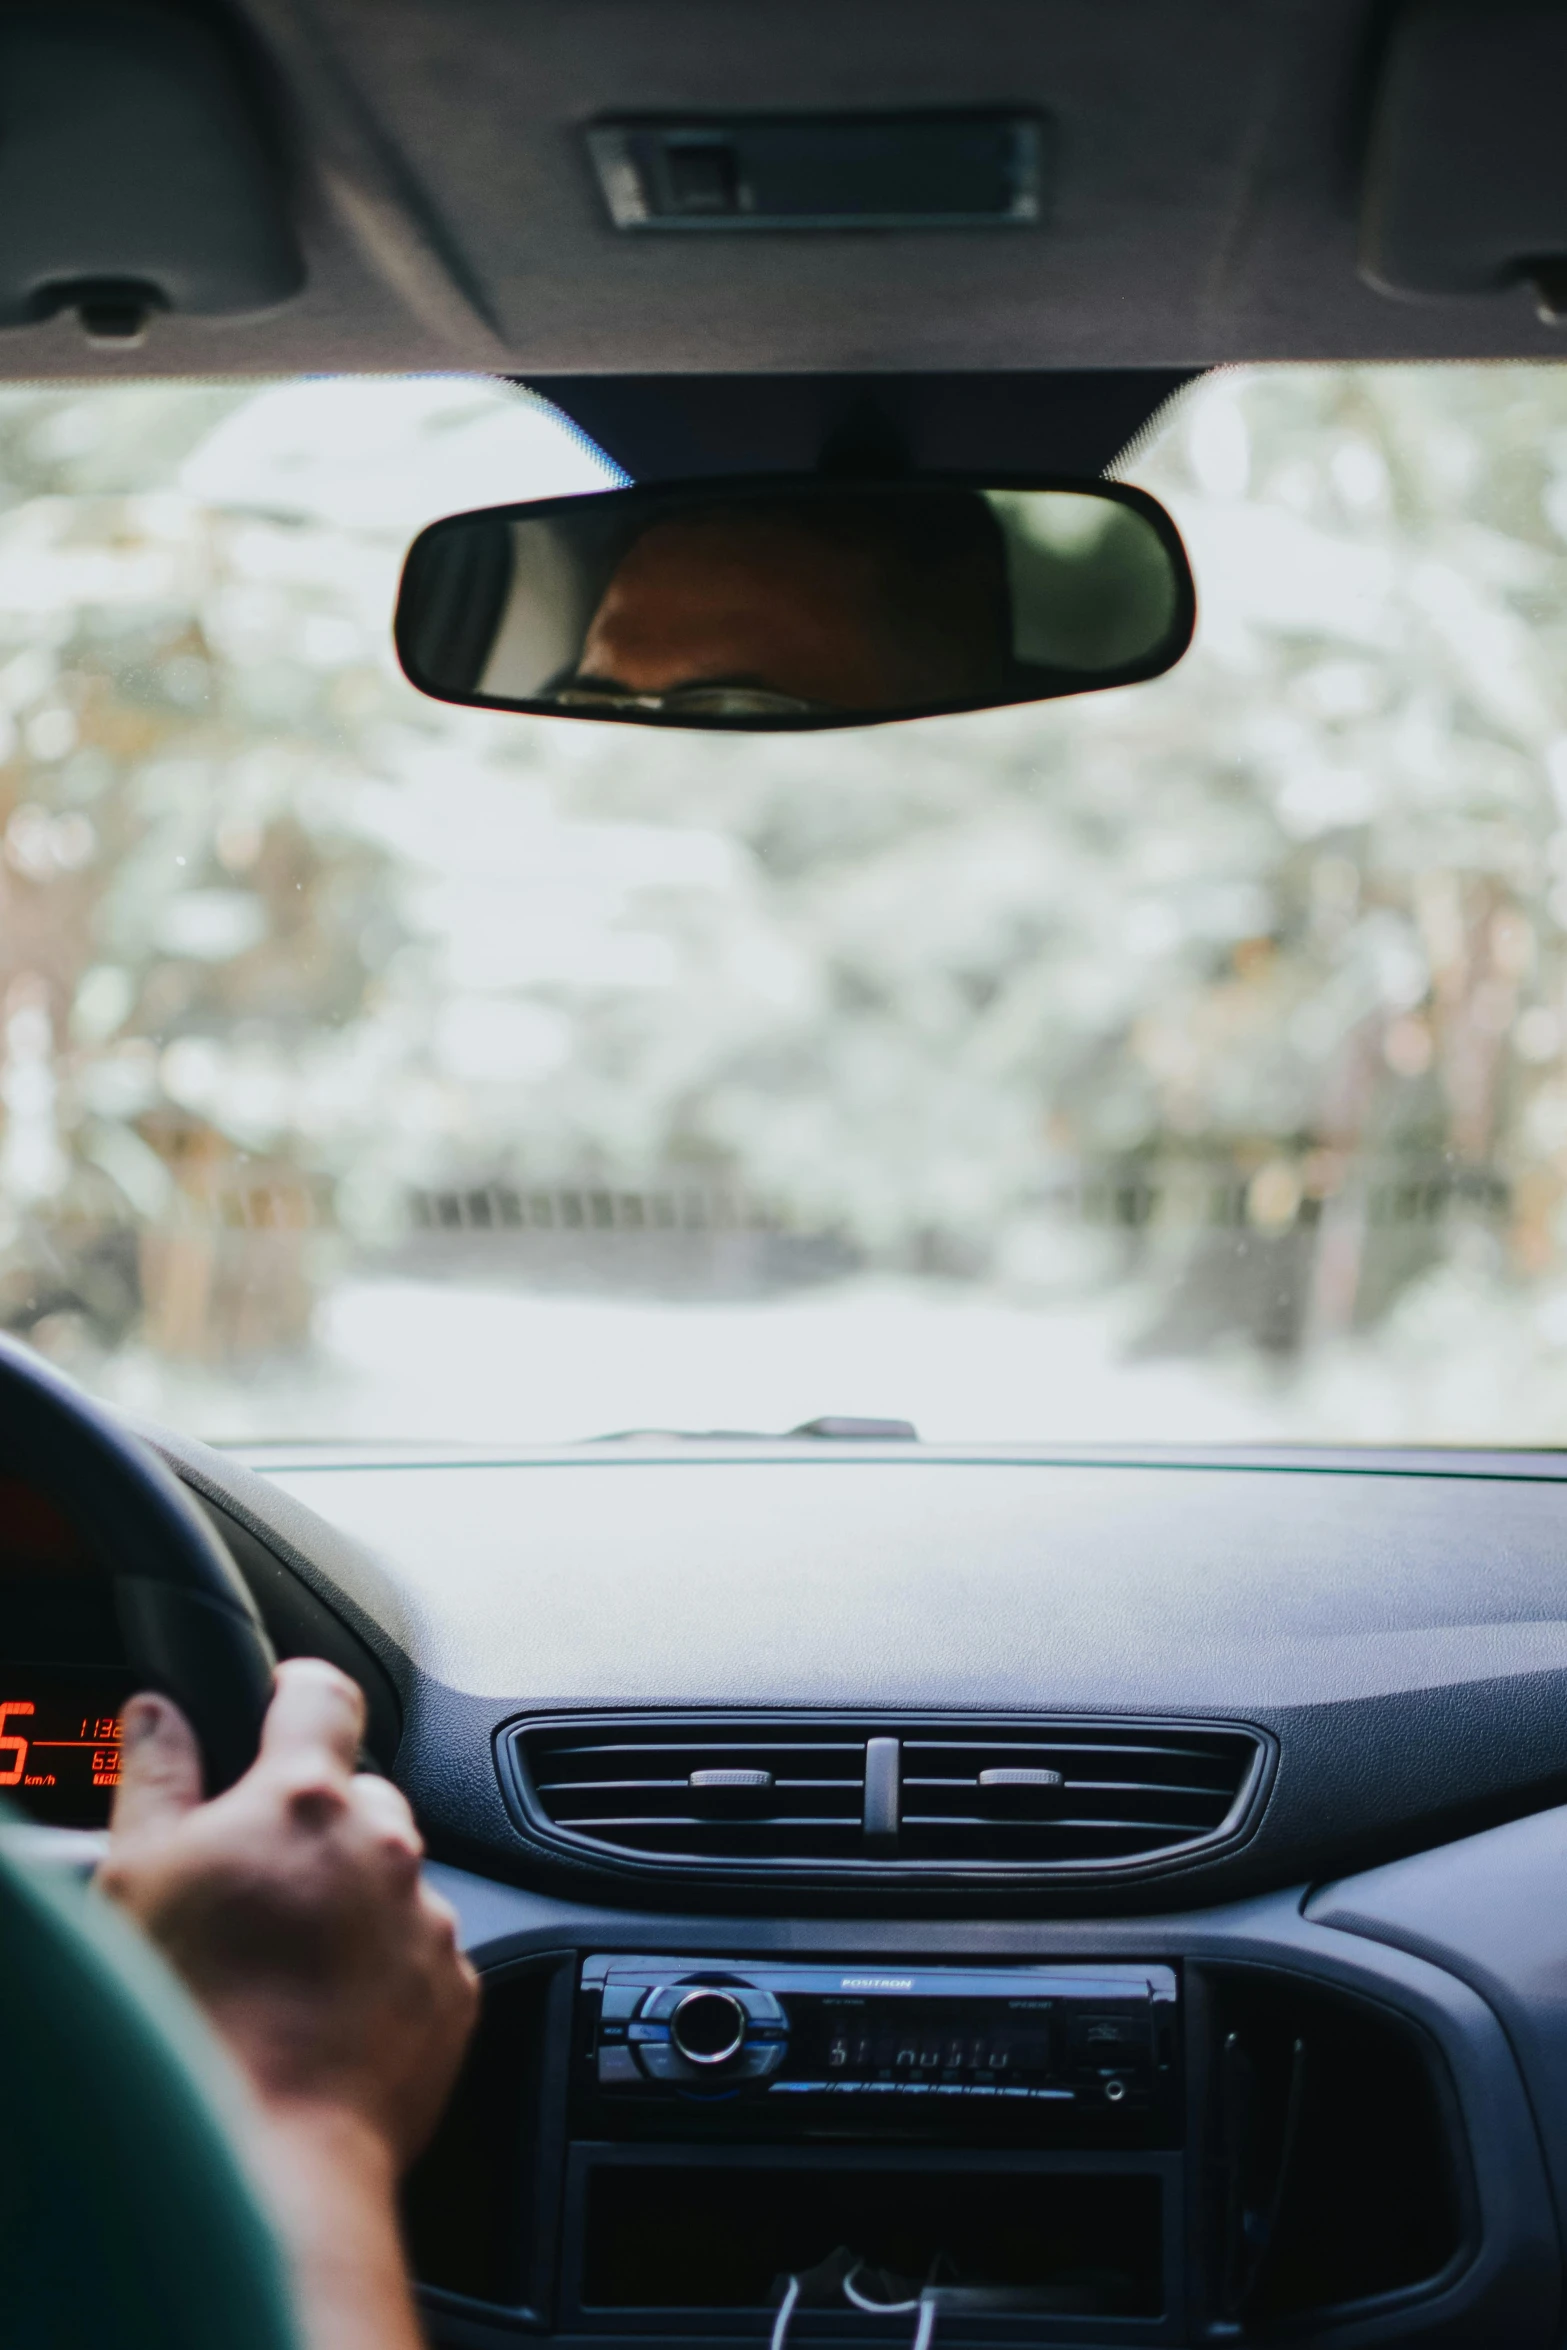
(925, 2331)
(785, 2313)
(870, 2307)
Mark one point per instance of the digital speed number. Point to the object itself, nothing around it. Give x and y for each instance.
(26, 1760)
(60, 1744)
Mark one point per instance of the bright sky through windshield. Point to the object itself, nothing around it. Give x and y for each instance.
(1185, 1061)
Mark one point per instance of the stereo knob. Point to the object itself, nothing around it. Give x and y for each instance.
(708, 2027)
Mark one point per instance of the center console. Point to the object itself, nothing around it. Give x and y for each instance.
(1003, 2142)
(649, 2147)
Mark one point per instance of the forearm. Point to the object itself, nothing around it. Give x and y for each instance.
(331, 2183)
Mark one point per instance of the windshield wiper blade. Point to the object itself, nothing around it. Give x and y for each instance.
(839, 1428)
(829, 1428)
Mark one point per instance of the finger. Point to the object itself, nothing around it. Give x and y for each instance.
(439, 1912)
(384, 1811)
(160, 1767)
(383, 1815)
(315, 1721)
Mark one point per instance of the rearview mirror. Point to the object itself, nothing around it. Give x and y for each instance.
(785, 603)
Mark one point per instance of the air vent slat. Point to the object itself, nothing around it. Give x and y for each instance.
(1064, 1745)
(786, 1794)
(1087, 1786)
(690, 1821)
(1055, 1827)
(677, 1787)
(724, 1746)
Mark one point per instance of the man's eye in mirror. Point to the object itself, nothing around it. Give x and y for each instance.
(795, 603)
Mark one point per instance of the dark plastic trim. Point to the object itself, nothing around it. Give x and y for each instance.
(1024, 2329)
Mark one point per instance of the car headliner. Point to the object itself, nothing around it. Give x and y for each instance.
(1206, 209)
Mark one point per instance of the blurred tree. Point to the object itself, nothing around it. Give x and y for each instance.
(171, 903)
(1243, 995)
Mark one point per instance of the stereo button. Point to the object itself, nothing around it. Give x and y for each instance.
(621, 2001)
(618, 2069)
(1107, 2042)
(757, 2060)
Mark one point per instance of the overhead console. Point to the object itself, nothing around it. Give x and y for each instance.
(667, 2147)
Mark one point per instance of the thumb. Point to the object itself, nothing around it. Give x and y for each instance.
(160, 1768)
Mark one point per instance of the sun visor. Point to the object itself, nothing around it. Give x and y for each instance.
(1466, 188)
(136, 171)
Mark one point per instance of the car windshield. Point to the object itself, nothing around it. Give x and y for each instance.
(1186, 1061)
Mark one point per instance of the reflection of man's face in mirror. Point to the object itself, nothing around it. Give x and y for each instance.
(847, 601)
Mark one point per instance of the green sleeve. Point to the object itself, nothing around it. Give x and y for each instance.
(126, 2218)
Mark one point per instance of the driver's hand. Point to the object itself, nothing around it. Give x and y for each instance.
(294, 1908)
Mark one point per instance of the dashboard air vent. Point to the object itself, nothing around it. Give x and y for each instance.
(937, 1796)
(714, 1791)
(1067, 1795)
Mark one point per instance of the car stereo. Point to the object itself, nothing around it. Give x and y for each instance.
(868, 2046)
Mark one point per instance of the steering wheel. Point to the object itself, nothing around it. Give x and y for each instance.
(190, 1626)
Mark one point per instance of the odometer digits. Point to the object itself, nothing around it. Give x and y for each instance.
(60, 1743)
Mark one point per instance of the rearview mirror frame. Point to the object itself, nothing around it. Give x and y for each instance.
(417, 589)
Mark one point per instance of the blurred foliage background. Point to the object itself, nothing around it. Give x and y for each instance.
(1184, 1060)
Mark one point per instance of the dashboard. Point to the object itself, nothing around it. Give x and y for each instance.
(940, 1895)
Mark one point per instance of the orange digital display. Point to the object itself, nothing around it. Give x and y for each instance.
(60, 1743)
